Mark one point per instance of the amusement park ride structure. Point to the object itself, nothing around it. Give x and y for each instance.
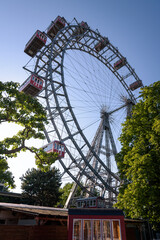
(68, 85)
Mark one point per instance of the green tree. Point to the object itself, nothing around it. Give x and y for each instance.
(25, 111)
(41, 188)
(65, 193)
(139, 159)
(6, 176)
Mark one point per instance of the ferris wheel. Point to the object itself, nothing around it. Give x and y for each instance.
(87, 93)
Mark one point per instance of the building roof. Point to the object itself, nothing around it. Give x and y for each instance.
(96, 211)
(35, 210)
(11, 194)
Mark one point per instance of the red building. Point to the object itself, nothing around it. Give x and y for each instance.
(95, 224)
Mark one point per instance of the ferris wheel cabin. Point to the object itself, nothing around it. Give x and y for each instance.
(55, 26)
(120, 63)
(82, 28)
(55, 146)
(32, 86)
(135, 85)
(83, 25)
(37, 41)
(91, 202)
(102, 44)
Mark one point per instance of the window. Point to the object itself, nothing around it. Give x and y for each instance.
(116, 230)
(96, 230)
(77, 235)
(48, 147)
(55, 146)
(62, 148)
(87, 229)
(106, 230)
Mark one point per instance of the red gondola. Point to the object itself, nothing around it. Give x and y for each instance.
(37, 41)
(135, 85)
(81, 29)
(91, 202)
(55, 146)
(120, 63)
(55, 26)
(32, 86)
(101, 44)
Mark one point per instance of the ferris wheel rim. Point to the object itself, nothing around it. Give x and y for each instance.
(77, 124)
(98, 56)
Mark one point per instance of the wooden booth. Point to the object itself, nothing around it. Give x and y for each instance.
(96, 224)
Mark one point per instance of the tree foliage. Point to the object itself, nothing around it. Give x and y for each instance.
(139, 159)
(65, 191)
(24, 110)
(41, 188)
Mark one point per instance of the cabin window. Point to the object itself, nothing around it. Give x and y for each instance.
(87, 229)
(116, 230)
(62, 148)
(48, 147)
(94, 202)
(55, 145)
(96, 230)
(106, 230)
(77, 234)
(33, 77)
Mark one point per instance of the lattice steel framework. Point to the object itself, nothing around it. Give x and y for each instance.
(87, 161)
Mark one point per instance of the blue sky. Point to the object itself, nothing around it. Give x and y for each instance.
(132, 26)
